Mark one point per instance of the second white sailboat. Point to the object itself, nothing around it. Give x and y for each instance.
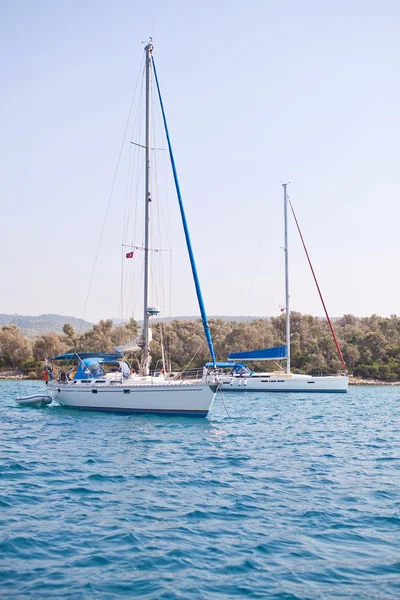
(241, 378)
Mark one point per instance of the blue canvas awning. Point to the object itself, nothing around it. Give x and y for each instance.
(89, 367)
(267, 354)
(92, 367)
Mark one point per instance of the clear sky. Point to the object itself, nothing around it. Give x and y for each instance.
(256, 93)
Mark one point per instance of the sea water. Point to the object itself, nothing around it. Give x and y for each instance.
(291, 496)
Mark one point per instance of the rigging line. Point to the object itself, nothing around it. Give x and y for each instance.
(206, 325)
(157, 265)
(318, 288)
(162, 344)
(255, 263)
(219, 389)
(122, 286)
(280, 282)
(134, 200)
(127, 292)
(143, 248)
(167, 349)
(126, 289)
(127, 212)
(252, 266)
(170, 284)
(167, 222)
(136, 176)
(133, 280)
(140, 171)
(164, 160)
(135, 301)
(140, 161)
(188, 364)
(109, 199)
(137, 121)
(131, 195)
(127, 270)
(137, 157)
(159, 212)
(128, 191)
(167, 226)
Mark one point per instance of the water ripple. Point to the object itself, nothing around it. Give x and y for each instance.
(292, 498)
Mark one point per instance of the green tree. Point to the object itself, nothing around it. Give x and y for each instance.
(14, 346)
(48, 345)
(70, 335)
(98, 339)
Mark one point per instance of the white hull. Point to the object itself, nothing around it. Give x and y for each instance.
(285, 383)
(167, 398)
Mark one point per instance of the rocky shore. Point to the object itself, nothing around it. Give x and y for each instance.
(13, 375)
(359, 381)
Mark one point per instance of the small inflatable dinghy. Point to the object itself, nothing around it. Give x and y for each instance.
(37, 400)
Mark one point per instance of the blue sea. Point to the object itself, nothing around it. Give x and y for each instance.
(290, 497)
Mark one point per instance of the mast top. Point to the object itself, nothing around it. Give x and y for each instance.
(149, 45)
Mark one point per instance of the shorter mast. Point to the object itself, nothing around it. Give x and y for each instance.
(287, 296)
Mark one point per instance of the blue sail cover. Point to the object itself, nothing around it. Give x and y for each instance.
(267, 354)
(75, 356)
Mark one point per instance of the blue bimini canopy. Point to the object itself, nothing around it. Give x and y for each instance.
(91, 367)
(88, 368)
(267, 354)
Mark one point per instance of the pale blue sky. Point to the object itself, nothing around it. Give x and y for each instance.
(256, 93)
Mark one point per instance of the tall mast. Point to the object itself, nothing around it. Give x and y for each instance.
(146, 347)
(287, 296)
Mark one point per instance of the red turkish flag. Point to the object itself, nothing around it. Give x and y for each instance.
(129, 254)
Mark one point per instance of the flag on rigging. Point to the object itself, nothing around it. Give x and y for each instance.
(129, 254)
(283, 309)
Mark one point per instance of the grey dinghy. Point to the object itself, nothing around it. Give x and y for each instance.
(37, 400)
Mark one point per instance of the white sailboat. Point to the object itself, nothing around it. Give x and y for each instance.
(92, 388)
(241, 378)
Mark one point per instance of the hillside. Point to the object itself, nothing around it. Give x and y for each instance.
(32, 326)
